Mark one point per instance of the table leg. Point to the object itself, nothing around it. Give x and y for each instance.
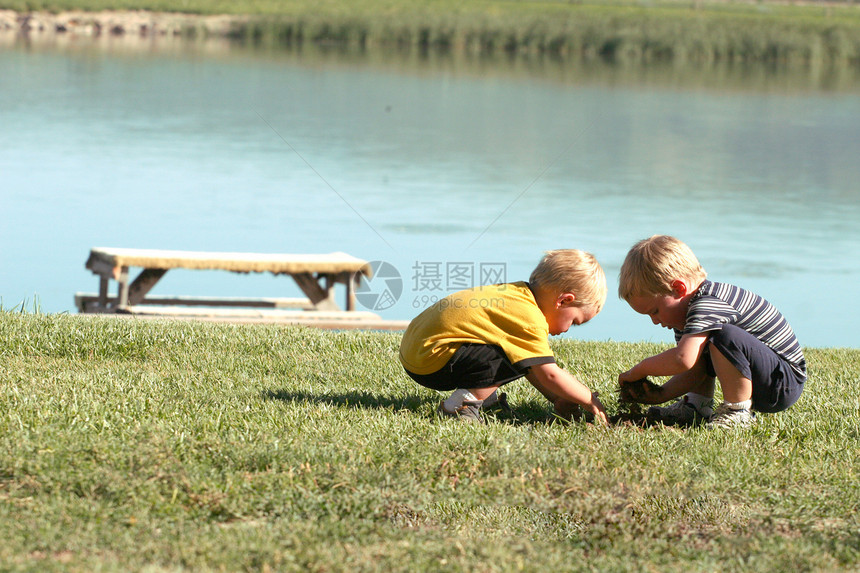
(321, 297)
(122, 279)
(104, 283)
(352, 281)
(143, 284)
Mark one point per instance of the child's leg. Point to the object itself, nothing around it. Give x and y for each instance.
(483, 393)
(477, 396)
(735, 386)
(747, 369)
(463, 396)
(696, 390)
(457, 398)
(697, 380)
(475, 373)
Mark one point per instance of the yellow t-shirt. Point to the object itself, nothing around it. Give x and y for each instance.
(505, 315)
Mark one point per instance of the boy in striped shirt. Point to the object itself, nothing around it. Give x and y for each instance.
(721, 331)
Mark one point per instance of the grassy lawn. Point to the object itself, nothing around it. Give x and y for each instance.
(159, 446)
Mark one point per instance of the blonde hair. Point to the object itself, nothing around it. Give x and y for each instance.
(653, 263)
(575, 271)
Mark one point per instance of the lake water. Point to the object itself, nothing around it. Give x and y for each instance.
(452, 170)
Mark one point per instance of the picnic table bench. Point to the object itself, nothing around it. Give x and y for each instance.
(315, 274)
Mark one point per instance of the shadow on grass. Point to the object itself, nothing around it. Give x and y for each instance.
(526, 413)
(353, 399)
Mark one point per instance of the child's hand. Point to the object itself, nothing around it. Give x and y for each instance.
(641, 391)
(596, 408)
(593, 412)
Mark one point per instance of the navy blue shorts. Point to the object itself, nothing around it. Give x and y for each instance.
(776, 386)
(472, 366)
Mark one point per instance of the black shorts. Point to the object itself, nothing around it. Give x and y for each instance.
(473, 366)
(776, 386)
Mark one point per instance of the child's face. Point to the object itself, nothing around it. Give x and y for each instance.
(563, 316)
(669, 311)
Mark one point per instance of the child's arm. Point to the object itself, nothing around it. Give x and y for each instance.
(683, 363)
(678, 385)
(671, 362)
(559, 384)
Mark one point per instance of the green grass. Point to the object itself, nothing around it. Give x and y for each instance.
(620, 30)
(158, 446)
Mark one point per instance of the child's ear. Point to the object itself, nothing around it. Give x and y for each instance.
(566, 299)
(679, 288)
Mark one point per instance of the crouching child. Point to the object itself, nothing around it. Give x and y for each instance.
(722, 331)
(477, 340)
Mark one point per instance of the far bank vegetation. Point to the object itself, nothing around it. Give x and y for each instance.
(617, 32)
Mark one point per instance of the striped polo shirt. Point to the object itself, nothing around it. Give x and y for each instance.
(716, 304)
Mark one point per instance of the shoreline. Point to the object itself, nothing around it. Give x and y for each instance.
(700, 33)
(118, 23)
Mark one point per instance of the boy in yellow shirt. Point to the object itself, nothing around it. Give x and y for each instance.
(477, 340)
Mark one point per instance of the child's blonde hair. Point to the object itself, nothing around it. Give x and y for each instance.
(575, 271)
(653, 263)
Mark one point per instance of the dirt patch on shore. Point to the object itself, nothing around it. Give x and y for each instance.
(118, 23)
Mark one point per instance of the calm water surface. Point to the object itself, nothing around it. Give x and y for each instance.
(434, 166)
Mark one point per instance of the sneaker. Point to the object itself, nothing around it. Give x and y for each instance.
(500, 403)
(681, 413)
(727, 417)
(468, 412)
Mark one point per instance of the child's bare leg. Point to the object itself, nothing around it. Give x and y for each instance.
(695, 380)
(475, 396)
(697, 387)
(736, 388)
(483, 393)
(705, 387)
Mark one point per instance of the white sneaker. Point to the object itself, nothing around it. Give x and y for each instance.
(727, 416)
(681, 413)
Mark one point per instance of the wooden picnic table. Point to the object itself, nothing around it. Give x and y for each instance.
(316, 275)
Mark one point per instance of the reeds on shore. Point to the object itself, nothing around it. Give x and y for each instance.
(614, 33)
(624, 32)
